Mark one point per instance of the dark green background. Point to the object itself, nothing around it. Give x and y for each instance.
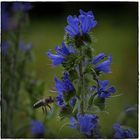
(116, 33)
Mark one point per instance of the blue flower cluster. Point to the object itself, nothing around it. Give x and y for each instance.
(78, 26)
(121, 133)
(63, 87)
(8, 23)
(6, 16)
(37, 128)
(87, 123)
(61, 55)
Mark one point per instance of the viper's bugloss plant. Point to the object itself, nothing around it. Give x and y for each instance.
(83, 68)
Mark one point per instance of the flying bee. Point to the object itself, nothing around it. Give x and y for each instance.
(43, 103)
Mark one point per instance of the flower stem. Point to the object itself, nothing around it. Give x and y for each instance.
(81, 84)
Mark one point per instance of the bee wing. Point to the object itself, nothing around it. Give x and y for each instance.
(38, 104)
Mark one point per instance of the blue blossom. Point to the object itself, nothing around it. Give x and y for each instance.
(87, 21)
(61, 55)
(98, 58)
(103, 91)
(21, 6)
(103, 66)
(37, 128)
(73, 26)
(5, 46)
(63, 87)
(60, 100)
(78, 26)
(86, 123)
(5, 17)
(23, 47)
(122, 133)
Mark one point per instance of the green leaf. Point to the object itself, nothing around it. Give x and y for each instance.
(76, 105)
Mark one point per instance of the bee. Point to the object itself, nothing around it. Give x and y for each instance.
(43, 103)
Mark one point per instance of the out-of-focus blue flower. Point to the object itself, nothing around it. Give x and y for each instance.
(78, 26)
(122, 133)
(73, 123)
(37, 128)
(61, 55)
(21, 6)
(103, 66)
(86, 123)
(5, 46)
(23, 47)
(104, 91)
(5, 17)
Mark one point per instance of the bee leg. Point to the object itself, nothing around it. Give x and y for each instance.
(49, 107)
(43, 109)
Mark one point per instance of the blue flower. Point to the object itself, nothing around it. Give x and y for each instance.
(87, 21)
(5, 46)
(86, 123)
(103, 66)
(63, 87)
(37, 128)
(78, 26)
(5, 17)
(21, 7)
(61, 55)
(98, 58)
(60, 100)
(122, 133)
(73, 26)
(103, 91)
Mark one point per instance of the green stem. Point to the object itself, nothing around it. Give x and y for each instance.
(81, 84)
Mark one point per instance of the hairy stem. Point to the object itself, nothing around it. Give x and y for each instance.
(81, 84)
